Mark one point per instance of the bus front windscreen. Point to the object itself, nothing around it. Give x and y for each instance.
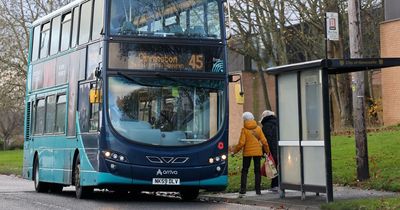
(165, 111)
(166, 18)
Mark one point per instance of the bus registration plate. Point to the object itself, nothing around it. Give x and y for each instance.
(166, 181)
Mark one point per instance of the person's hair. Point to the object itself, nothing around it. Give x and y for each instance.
(248, 116)
(266, 113)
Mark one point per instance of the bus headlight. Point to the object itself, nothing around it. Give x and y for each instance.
(223, 157)
(107, 154)
(114, 156)
(212, 160)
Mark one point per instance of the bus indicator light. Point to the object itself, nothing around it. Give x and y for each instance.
(220, 145)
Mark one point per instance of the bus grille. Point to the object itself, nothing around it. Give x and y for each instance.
(175, 160)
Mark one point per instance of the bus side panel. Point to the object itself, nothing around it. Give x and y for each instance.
(88, 153)
(62, 167)
(28, 160)
(45, 154)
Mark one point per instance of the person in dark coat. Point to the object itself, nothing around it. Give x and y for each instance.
(269, 127)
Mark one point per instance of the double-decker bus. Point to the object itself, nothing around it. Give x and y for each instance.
(129, 96)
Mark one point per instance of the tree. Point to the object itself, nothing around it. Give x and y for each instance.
(15, 19)
(275, 33)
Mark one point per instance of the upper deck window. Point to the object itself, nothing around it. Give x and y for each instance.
(36, 42)
(84, 26)
(44, 43)
(66, 31)
(97, 19)
(55, 35)
(160, 18)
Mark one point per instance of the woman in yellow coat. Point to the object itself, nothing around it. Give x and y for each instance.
(252, 141)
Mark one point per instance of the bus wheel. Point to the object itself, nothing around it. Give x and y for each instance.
(189, 194)
(39, 186)
(80, 191)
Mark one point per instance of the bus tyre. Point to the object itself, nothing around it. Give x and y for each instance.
(80, 191)
(189, 194)
(39, 186)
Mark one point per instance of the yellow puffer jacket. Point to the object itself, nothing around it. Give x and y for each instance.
(249, 142)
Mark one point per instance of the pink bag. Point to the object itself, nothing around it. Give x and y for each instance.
(268, 169)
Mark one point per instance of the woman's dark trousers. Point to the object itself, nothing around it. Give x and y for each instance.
(245, 170)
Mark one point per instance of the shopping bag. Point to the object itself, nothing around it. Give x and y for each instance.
(268, 168)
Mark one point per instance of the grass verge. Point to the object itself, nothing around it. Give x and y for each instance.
(372, 204)
(11, 162)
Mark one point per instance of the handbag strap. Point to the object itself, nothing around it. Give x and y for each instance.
(254, 133)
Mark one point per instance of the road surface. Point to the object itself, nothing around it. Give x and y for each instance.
(17, 193)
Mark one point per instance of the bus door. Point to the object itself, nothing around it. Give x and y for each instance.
(89, 120)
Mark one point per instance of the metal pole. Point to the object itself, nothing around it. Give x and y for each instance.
(327, 135)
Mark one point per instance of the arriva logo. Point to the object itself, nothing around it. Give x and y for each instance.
(166, 172)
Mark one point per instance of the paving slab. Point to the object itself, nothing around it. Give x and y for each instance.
(292, 199)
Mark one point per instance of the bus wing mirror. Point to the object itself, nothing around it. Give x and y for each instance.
(232, 78)
(237, 78)
(94, 96)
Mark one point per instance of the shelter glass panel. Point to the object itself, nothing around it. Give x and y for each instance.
(290, 165)
(311, 97)
(288, 104)
(314, 166)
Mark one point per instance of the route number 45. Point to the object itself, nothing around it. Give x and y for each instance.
(197, 62)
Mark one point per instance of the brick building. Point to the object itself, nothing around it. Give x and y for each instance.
(253, 97)
(390, 47)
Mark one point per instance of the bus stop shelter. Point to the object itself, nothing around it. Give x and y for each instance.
(304, 143)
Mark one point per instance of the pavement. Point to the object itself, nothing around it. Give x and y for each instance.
(292, 199)
(267, 199)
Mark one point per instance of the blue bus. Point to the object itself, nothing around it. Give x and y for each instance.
(128, 96)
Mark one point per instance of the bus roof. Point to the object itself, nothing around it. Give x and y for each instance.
(63, 9)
